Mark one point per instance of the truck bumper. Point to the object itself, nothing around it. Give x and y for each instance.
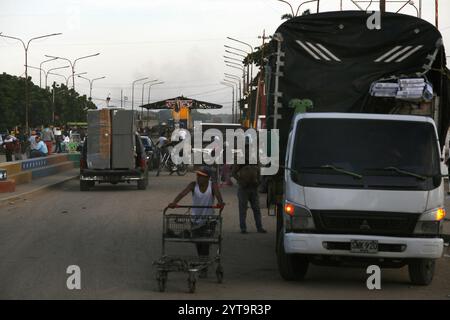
(322, 244)
(112, 175)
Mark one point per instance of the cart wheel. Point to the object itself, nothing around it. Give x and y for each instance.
(219, 273)
(191, 283)
(162, 281)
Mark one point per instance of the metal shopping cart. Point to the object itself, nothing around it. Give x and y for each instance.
(188, 228)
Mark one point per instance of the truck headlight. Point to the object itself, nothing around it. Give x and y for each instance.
(430, 222)
(297, 218)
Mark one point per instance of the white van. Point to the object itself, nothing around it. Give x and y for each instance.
(365, 189)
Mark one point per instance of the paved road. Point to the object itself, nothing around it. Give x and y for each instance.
(113, 234)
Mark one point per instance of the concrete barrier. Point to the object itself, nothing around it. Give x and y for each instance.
(23, 171)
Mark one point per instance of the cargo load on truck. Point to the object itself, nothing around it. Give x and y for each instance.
(113, 151)
(334, 60)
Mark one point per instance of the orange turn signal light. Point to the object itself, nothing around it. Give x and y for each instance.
(289, 209)
(440, 214)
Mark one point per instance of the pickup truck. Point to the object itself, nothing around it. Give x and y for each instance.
(88, 177)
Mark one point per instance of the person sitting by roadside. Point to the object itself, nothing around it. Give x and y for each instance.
(40, 149)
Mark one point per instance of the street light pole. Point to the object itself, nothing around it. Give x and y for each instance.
(236, 96)
(25, 47)
(246, 83)
(142, 98)
(72, 64)
(232, 97)
(48, 72)
(238, 101)
(148, 101)
(91, 81)
(40, 68)
(251, 71)
(132, 91)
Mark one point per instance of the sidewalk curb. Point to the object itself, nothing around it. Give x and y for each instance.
(41, 188)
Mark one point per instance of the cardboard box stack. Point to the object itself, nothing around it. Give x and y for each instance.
(99, 139)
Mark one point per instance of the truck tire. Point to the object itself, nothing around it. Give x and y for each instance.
(292, 267)
(86, 185)
(421, 271)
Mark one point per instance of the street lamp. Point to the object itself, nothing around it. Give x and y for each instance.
(148, 102)
(236, 78)
(246, 83)
(234, 59)
(249, 84)
(25, 47)
(298, 8)
(236, 54)
(49, 71)
(236, 97)
(91, 81)
(40, 68)
(132, 91)
(142, 99)
(72, 64)
(232, 97)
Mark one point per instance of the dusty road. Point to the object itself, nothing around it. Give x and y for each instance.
(114, 234)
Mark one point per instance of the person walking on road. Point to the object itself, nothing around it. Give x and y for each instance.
(248, 178)
(203, 192)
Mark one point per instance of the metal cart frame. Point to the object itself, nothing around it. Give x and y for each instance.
(188, 228)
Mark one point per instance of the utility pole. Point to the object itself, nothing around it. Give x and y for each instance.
(437, 14)
(260, 78)
(382, 6)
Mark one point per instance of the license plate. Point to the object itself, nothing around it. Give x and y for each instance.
(364, 246)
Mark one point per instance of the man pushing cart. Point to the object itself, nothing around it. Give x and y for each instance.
(199, 225)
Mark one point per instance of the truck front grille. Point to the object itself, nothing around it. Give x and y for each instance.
(365, 222)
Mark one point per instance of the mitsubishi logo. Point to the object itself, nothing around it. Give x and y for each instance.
(364, 225)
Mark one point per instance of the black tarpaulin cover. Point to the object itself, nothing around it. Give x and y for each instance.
(332, 58)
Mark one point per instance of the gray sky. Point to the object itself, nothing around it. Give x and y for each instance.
(179, 41)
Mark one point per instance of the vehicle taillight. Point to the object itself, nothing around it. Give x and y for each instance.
(143, 163)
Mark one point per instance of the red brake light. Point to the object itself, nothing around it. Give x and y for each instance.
(143, 164)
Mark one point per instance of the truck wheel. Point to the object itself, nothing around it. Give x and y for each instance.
(86, 185)
(292, 267)
(421, 271)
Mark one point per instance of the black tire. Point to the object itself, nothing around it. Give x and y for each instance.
(292, 267)
(86, 185)
(219, 273)
(182, 170)
(421, 271)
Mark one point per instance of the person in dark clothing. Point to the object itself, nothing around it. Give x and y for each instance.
(248, 178)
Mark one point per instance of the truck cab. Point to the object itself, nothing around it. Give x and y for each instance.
(362, 188)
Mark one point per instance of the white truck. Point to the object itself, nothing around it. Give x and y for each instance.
(361, 115)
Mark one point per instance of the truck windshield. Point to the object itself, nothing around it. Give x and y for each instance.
(365, 154)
